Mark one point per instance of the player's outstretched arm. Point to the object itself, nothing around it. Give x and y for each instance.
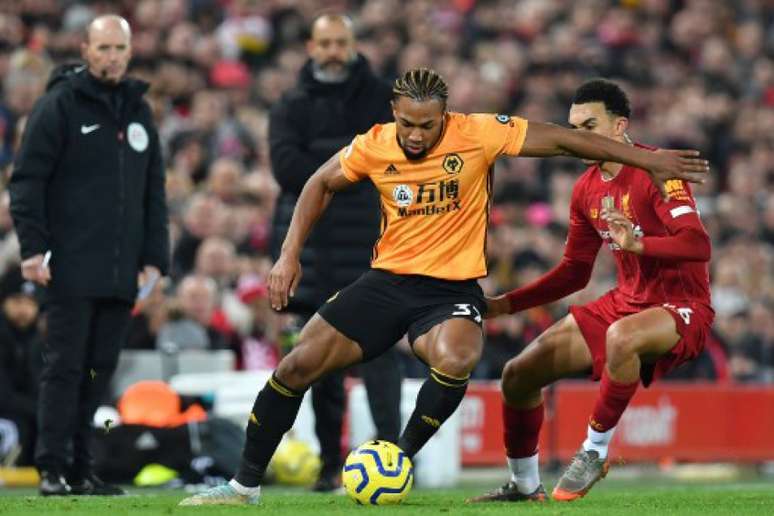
(314, 199)
(544, 139)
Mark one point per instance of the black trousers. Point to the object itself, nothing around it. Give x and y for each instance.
(382, 378)
(83, 340)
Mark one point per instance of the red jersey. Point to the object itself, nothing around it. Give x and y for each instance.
(673, 266)
(649, 278)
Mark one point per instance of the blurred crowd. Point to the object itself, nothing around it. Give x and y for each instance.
(700, 74)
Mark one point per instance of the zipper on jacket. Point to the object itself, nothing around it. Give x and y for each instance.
(121, 202)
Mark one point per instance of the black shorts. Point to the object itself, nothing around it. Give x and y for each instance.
(380, 307)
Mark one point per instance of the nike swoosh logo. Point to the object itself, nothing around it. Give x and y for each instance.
(86, 129)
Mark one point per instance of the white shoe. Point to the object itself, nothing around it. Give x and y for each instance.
(221, 495)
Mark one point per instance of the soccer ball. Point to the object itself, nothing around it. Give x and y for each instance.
(295, 463)
(378, 473)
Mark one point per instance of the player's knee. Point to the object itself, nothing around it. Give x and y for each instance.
(514, 374)
(296, 370)
(620, 342)
(460, 364)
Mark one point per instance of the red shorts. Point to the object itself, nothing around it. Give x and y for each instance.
(693, 321)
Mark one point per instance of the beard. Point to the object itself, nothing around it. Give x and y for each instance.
(410, 155)
(332, 71)
(414, 156)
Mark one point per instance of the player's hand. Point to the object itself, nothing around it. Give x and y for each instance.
(621, 230)
(283, 280)
(34, 269)
(496, 306)
(678, 164)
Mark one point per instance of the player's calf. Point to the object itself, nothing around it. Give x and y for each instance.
(437, 399)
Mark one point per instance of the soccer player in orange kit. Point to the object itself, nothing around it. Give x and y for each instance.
(433, 170)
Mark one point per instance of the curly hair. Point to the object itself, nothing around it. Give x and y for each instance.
(607, 92)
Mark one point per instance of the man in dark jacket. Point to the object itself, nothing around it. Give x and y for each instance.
(337, 97)
(20, 364)
(87, 194)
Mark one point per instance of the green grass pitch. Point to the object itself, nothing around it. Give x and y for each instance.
(608, 498)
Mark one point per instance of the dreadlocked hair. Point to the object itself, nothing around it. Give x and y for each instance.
(421, 84)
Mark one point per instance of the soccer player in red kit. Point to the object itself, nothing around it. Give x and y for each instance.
(656, 318)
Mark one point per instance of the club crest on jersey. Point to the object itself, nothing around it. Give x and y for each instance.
(402, 195)
(503, 119)
(452, 163)
(625, 206)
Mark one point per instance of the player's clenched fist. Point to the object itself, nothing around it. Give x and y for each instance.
(283, 280)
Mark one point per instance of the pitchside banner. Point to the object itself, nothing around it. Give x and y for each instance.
(680, 421)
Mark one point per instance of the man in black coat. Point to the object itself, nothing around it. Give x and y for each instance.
(88, 203)
(20, 364)
(337, 97)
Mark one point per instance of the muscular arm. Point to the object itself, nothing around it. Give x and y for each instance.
(544, 139)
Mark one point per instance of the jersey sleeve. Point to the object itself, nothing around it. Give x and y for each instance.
(678, 209)
(354, 159)
(500, 134)
(572, 273)
(687, 240)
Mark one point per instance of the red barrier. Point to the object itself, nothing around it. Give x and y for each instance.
(691, 422)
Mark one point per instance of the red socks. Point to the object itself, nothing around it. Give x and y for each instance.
(521, 430)
(611, 403)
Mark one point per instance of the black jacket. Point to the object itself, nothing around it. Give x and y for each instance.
(88, 184)
(21, 361)
(306, 127)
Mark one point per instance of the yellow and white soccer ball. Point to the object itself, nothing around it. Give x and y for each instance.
(378, 473)
(295, 463)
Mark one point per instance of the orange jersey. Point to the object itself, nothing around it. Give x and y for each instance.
(435, 210)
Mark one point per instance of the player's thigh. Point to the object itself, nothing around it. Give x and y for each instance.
(558, 352)
(371, 312)
(453, 346)
(650, 334)
(321, 349)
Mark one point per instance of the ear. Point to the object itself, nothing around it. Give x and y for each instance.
(84, 49)
(621, 125)
(310, 46)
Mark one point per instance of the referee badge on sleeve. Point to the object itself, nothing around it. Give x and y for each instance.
(137, 136)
